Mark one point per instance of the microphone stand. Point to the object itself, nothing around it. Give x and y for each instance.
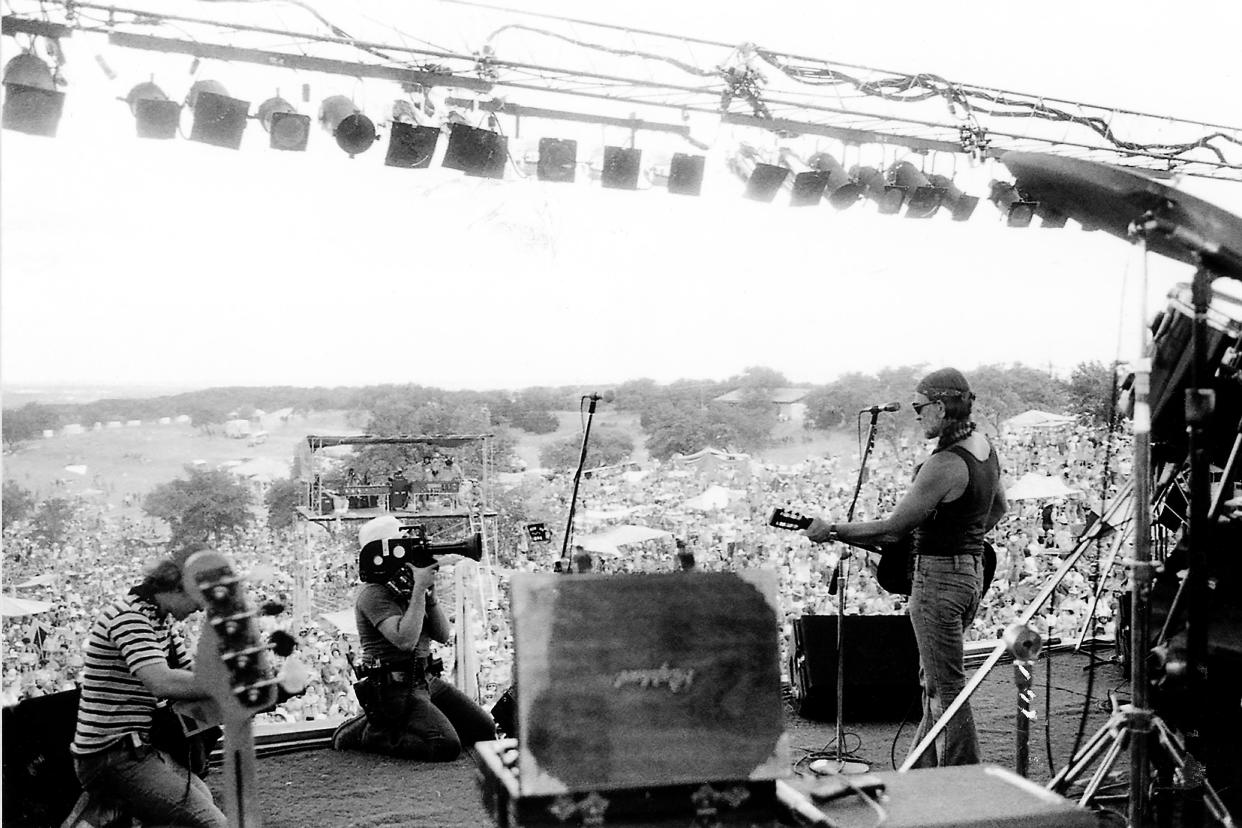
(573, 498)
(843, 568)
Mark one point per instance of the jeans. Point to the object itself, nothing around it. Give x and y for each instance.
(429, 721)
(943, 602)
(151, 786)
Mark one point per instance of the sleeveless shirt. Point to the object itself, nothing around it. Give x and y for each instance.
(958, 527)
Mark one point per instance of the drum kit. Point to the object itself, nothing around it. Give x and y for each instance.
(1195, 349)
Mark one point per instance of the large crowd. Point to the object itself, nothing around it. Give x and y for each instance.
(103, 553)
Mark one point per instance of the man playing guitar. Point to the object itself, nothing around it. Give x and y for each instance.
(955, 499)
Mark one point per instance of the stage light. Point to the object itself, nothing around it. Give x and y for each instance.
(1018, 210)
(808, 188)
(219, 120)
(961, 206)
(764, 181)
(558, 160)
(476, 151)
(154, 115)
(840, 191)
(685, 174)
(411, 146)
(32, 103)
(1050, 218)
(621, 166)
(353, 131)
(924, 198)
(286, 129)
(887, 197)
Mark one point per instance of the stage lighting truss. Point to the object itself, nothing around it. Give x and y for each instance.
(888, 198)
(841, 191)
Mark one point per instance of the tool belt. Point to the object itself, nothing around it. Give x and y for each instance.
(384, 690)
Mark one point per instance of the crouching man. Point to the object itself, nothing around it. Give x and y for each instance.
(407, 713)
(133, 661)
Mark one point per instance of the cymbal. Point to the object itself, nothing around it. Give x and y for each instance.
(1111, 198)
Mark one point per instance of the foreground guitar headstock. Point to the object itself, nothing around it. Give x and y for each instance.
(232, 662)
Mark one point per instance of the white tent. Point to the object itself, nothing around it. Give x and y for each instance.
(1037, 419)
(10, 606)
(1032, 486)
(344, 620)
(45, 579)
(712, 498)
(611, 540)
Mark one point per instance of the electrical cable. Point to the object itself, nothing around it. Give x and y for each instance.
(892, 752)
(682, 65)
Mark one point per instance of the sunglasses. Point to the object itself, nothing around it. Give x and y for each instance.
(918, 407)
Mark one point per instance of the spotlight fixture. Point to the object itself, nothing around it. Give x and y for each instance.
(32, 104)
(925, 198)
(476, 151)
(286, 129)
(411, 146)
(808, 188)
(341, 118)
(218, 119)
(1050, 218)
(1017, 209)
(685, 174)
(764, 181)
(887, 197)
(558, 160)
(154, 115)
(961, 206)
(621, 166)
(840, 191)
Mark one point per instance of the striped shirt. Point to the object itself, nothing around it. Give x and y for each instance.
(127, 636)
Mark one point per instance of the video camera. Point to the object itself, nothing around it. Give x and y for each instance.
(384, 560)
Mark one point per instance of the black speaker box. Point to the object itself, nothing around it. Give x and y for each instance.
(39, 783)
(881, 667)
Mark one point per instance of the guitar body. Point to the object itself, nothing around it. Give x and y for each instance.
(231, 663)
(895, 572)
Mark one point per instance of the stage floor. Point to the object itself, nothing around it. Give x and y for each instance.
(333, 790)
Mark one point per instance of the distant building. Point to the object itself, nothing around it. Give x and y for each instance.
(181, 418)
(114, 424)
(165, 421)
(788, 401)
(237, 428)
(72, 428)
(133, 423)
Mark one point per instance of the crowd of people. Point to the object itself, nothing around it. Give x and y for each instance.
(103, 553)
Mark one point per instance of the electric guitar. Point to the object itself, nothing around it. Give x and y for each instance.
(232, 664)
(895, 572)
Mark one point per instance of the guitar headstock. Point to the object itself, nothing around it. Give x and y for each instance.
(788, 519)
(231, 662)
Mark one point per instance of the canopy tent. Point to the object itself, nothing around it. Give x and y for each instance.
(45, 579)
(10, 606)
(713, 498)
(1032, 486)
(611, 540)
(344, 620)
(262, 469)
(1038, 419)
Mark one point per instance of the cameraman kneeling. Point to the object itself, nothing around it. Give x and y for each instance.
(408, 713)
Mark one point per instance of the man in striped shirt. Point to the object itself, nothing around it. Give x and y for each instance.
(133, 660)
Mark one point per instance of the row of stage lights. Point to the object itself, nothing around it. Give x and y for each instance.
(33, 105)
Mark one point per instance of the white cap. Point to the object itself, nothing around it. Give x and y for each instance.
(386, 526)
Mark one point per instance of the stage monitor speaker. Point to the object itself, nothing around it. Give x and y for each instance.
(881, 667)
(39, 783)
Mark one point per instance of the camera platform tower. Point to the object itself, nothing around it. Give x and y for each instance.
(445, 509)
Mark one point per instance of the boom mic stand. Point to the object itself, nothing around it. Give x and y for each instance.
(842, 569)
(573, 498)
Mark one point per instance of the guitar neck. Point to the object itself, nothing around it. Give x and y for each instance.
(240, 790)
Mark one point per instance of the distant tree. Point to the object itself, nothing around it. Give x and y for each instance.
(533, 420)
(206, 416)
(205, 506)
(606, 447)
(281, 498)
(28, 422)
(1092, 391)
(1005, 391)
(51, 522)
(18, 503)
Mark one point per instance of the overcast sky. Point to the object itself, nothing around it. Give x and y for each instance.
(143, 263)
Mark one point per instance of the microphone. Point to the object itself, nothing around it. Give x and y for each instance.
(607, 396)
(876, 409)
